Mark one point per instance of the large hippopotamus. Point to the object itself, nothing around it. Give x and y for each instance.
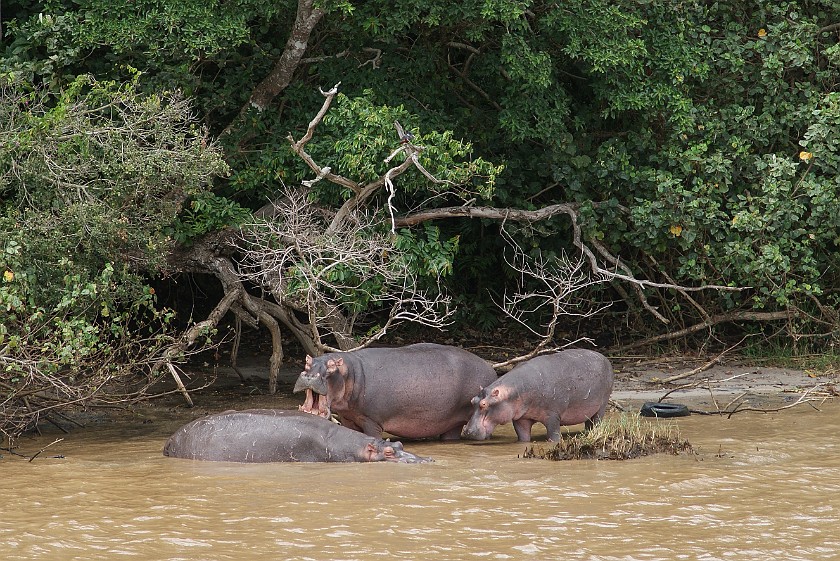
(564, 388)
(416, 391)
(270, 435)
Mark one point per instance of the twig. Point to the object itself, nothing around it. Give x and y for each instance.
(56, 441)
(802, 399)
(706, 381)
(731, 401)
(234, 352)
(704, 366)
(179, 383)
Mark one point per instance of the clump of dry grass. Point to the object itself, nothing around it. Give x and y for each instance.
(619, 437)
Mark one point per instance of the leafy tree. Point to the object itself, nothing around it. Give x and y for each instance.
(676, 145)
(92, 179)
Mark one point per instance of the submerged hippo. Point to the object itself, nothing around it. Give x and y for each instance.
(564, 388)
(270, 435)
(417, 391)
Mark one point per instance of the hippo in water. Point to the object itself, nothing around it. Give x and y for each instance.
(270, 435)
(417, 391)
(564, 388)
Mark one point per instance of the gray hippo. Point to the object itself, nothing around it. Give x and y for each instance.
(564, 388)
(270, 435)
(417, 391)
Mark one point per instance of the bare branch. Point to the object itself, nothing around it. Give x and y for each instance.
(334, 276)
(298, 147)
(804, 398)
(570, 210)
(704, 367)
(713, 320)
(546, 286)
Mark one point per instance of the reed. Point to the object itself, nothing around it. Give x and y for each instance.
(616, 437)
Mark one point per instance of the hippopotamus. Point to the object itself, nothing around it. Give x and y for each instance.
(417, 391)
(271, 435)
(565, 388)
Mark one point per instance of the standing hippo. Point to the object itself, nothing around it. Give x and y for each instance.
(564, 388)
(417, 391)
(270, 435)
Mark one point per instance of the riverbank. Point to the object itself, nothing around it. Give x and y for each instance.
(638, 380)
(730, 384)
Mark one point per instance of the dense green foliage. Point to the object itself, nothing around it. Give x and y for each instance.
(92, 181)
(706, 132)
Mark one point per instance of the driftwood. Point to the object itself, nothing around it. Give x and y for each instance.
(703, 367)
(804, 398)
(38, 453)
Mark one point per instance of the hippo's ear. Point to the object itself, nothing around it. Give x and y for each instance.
(334, 364)
(495, 392)
(371, 451)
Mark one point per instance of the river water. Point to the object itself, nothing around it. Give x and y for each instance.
(763, 486)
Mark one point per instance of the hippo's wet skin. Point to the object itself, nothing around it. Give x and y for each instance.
(561, 389)
(417, 391)
(269, 435)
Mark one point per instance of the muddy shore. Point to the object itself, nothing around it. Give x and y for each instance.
(727, 383)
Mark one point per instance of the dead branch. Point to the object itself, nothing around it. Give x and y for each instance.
(180, 383)
(361, 193)
(189, 337)
(38, 453)
(703, 367)
(527, 216)
(298, 147)
(712, 321)
(547, 285)
(804, 398)
(322, 272)
(706, 382)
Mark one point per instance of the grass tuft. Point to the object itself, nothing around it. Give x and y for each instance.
(619, 437)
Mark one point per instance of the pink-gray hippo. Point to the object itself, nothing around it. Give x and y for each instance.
(416, 391)
(560, 389)
(271, 435)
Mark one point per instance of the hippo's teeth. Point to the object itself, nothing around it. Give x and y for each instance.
(315, 404)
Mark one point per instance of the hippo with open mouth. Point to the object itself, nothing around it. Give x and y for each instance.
(416, 391)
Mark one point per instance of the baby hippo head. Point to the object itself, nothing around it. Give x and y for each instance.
(495, 405)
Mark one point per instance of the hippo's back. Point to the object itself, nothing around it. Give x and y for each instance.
(429, 362)
(424, 373)
(419, 390)
(575, 370)
(255, 435)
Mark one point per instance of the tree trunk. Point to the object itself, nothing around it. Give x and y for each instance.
(281, 75)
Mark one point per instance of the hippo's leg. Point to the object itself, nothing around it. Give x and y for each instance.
(350, 424)
(523, 429)
(552, 428)
(596, 418)
(453, 434)
(370, 427)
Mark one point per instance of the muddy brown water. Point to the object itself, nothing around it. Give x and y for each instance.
(763, 486)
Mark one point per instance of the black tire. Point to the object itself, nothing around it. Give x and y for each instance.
(664, 410)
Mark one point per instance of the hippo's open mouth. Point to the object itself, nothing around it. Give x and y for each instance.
(316, 404)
